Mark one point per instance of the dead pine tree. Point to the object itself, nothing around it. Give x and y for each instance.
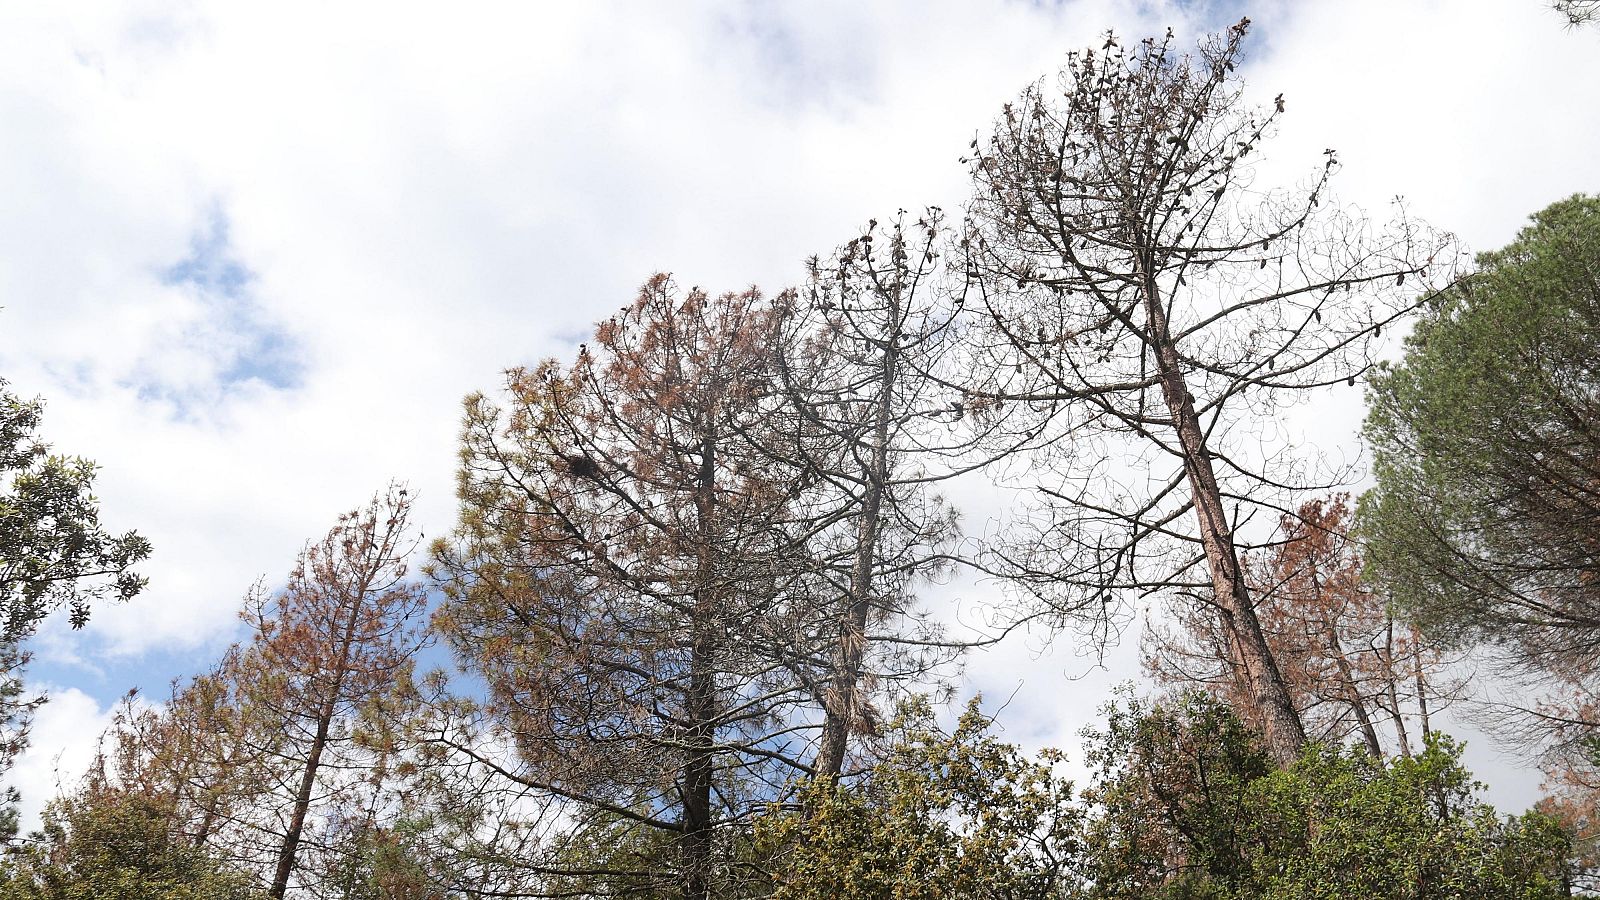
(860, 350)
(1350, 671)
(327, 648)
(1141, 292)
(625, 541)
(202, 754)
(254, 758)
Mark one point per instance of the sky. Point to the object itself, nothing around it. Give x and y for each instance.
(254, 255)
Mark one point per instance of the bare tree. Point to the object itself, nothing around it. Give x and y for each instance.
(1577, 12)
(1143, 295)
(856, 349)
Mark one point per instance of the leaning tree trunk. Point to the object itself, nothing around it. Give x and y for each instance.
(1352, 693)
(1285, 736)
(302, 803)
(290, 847)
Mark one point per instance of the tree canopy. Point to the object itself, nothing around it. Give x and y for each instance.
(53, 550)
(1485, 522)
(53, 553)
(1156, 308)
(103, 844)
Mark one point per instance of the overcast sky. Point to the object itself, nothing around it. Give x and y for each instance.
(253, 255)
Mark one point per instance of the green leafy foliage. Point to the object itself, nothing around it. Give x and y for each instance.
(53, 551)
(17, 704)
(1183, 804)
(1188, 807)
(942, 816)
(387, 863)
(104, 844)
(1342, 824)
(1172, 786)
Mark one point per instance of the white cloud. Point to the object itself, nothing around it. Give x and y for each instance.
(422, 201)
(65, 736)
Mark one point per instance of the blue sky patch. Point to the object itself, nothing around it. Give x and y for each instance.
(235, 332)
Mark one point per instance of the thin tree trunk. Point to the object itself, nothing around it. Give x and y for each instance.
(843, 702)
(1422, 685)
(290, 847)
(1393, 677)
(212, 797)
(1352, 694)
(302, 803)
(1285, 735)
(697, 774)
(700, 702)
(1427, 726)
(208, 819)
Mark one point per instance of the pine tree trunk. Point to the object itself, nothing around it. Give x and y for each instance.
(290, 847)
(302, 804)
(697, 774)
(843, 703)
(700, 700)
(1422, 685)
(1284, 734)
(1352, 694)
(1393, 677)
(208, 819)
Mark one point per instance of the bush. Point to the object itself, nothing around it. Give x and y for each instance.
(104, 844)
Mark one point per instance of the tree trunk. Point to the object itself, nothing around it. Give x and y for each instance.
(1393, 677)
(211, 794)
(1422, 685)
(319, 742)
(1284, 734)
(208, 819)
(1352, 693)
(843, 702)
(697, 774)
(700, 700)
(302, 803)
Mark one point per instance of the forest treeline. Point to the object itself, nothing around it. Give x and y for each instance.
(694, 592)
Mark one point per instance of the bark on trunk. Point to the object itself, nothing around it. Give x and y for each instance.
(302, 803)
(319, 742)
(1422, 685)
(1285, 736)
(697, 785)
(843, 702)
(1352, 694)
(700, 702)
(1394, 690)
(208, 820)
